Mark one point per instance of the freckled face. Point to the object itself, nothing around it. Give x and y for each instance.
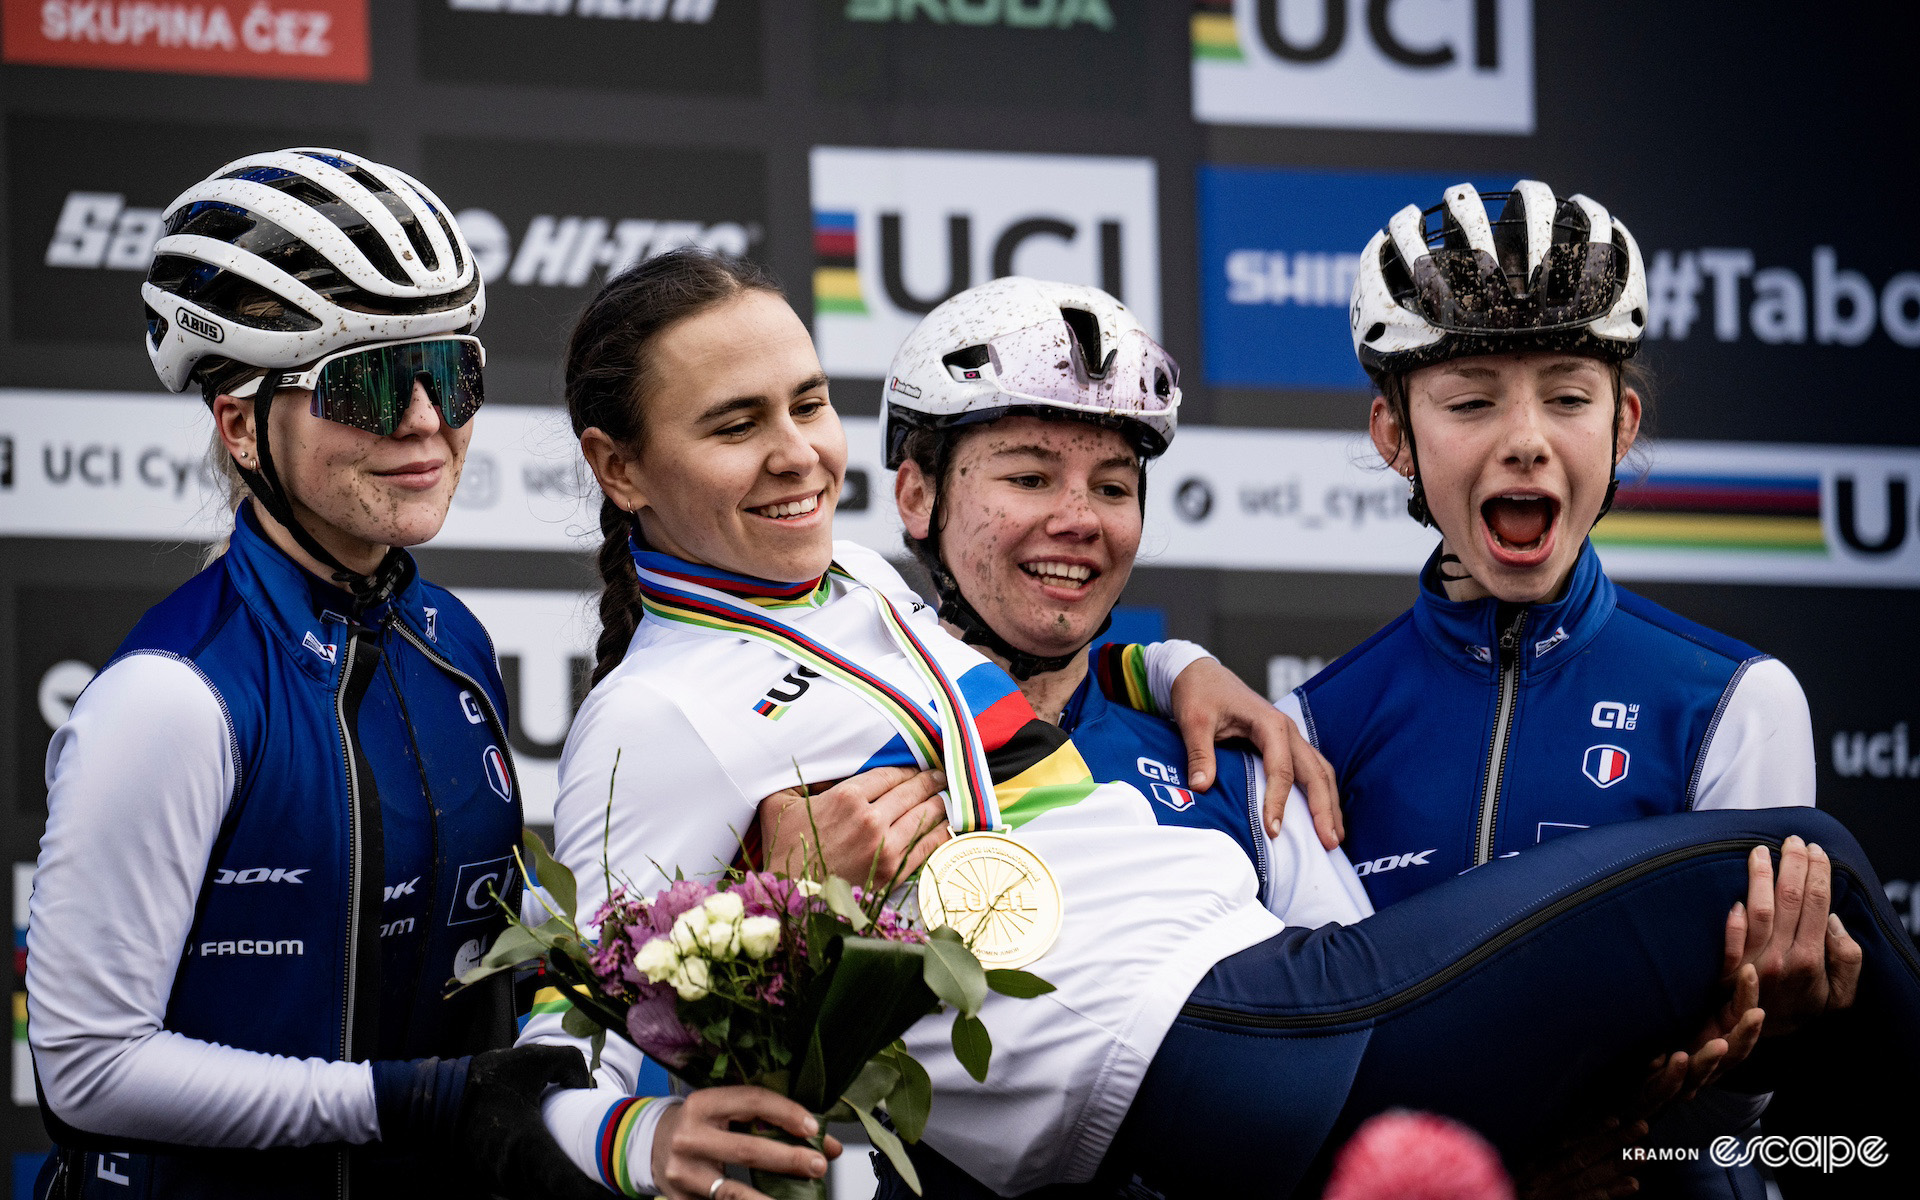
(357, 491)
(1042, 522)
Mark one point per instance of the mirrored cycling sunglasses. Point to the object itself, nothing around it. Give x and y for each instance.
(371, 387)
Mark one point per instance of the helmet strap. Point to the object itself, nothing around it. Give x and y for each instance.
(366, 590)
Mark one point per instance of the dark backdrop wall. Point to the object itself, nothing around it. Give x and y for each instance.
(1217, 163)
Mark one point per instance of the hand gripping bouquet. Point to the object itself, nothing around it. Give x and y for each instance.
(802, 984)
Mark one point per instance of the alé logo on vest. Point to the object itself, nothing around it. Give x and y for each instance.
(898, 231)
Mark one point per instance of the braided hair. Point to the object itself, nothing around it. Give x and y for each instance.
(609, 376)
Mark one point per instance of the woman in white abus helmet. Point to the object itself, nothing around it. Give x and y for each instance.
(265, 813)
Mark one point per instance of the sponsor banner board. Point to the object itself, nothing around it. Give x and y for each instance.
(116, 465)
(1279, 250)
(132, 466)
(1443, 65)
(705, 46)
(81, 227)
(898, 231)
(548, 222)
(286, 39)
(1058, 53)
(1724, 512)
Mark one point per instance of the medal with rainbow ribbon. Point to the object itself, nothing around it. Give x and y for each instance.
(994, 890)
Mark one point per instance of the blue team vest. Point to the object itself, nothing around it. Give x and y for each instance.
(1452, 748)
(285, 951)
(1122, 744)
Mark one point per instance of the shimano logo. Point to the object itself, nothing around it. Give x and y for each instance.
(97, 230)
(262, 947)
(1393, 862)
(194, 323)
(261, 875)
(1014, 14)
(694, 12)
(1307, 278)
(566, 251)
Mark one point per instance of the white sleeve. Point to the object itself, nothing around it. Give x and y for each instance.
(138, 781)
(1165, 660)
(1307, 884)
(1759, 754)
(664, 767)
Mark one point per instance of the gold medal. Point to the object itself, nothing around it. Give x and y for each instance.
(997, 893)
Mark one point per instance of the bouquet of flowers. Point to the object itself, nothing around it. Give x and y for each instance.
(802, 984)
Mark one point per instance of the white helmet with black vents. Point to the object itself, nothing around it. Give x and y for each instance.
(1547, 273)
(277, 259)
(1019, 345)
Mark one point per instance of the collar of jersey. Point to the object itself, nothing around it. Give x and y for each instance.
(765, 593)
(1555, 633)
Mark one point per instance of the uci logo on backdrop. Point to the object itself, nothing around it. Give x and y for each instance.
(898, 231)
(1458, 65)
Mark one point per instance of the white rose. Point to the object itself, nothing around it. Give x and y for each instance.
(806, 887)
(759, 935)
(721, 940)
(657, 960)
(724, 906)
(688, 928)
(692, 980)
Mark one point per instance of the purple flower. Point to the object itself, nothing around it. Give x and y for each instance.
(656, 1029)
(669, 902)
(768, 895)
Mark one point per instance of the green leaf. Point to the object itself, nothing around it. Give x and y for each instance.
(838, 894)
(810, 1081)
(578, 1024)
(874, 992)
(886, 1143)
(954, 975)
(912, 1097)
(875, 1080)
(972, 1046)
(475, 975)
(598, 1042)
(556, 879)
(516, 944)
(1021, 985)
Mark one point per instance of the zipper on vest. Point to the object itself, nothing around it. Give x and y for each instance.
(1502, 731)
(1256, 812)
(355, 675)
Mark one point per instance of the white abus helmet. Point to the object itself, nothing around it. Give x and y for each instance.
(1026, 345)
(1546, 273)
(277, 259)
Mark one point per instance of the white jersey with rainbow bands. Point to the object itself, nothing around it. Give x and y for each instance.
(706, 727)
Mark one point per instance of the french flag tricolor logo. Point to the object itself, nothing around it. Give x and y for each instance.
(1605, 765)
(1178, 799)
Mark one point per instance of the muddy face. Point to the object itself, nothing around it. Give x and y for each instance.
(1515, 453)
(1042, 522)
(359, 493)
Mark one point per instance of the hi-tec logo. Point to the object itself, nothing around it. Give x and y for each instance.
(566, 251)
(1394, 862)
(1881, 755)
(697, 12)
(896, 232)
(1612, 714)
(267, 947)
(1605, 765)
(1366, 64)
(97, 230)
(260, 875)
(194, 323)
(1014, 14)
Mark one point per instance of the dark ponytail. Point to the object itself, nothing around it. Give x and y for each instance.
(610, 374)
